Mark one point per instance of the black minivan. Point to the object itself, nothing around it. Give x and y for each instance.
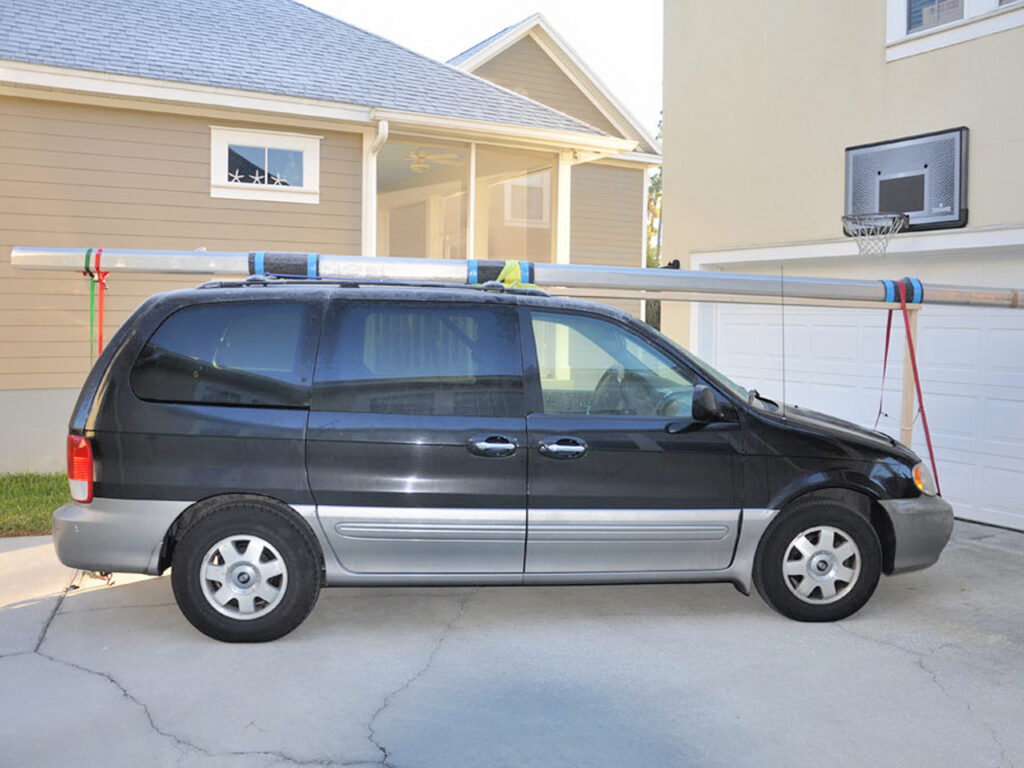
(268, 437)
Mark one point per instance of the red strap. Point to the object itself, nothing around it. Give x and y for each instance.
(885, 365)
(917, 384)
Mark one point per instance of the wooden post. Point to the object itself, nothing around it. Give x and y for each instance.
(907, 408)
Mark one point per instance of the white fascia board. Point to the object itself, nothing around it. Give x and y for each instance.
(567, 60)
(976, 240)
(638, 158)
(404, 122)
(29, 75)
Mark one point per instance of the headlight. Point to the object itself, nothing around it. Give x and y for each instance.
(923, 479)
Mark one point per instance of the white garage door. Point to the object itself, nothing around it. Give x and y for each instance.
(972, 367)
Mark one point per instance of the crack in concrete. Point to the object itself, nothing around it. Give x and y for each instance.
(180, 742)
(445, 632)
(933, 674)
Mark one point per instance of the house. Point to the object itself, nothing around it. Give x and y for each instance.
(758, 115)
(240, 126)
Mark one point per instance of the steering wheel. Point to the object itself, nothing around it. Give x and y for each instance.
(608, 391)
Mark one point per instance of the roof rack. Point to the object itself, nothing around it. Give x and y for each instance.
(271, 280)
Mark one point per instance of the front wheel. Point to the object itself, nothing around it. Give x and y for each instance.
(820, 562)
(244, 571)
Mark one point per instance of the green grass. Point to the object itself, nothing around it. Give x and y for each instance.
(27, 501)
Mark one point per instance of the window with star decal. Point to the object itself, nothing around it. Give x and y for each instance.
(252, 164)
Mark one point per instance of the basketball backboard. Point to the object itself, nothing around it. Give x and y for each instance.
(922, 176)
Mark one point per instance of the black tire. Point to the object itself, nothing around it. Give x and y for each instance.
(298, 587)
(775, 549)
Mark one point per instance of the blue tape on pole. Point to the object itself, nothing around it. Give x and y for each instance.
(471, 272)
(257, 263)
(890, 290)
(311, 264)
(918, 290)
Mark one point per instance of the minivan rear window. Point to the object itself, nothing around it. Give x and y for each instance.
(446, 360)
(232, 353)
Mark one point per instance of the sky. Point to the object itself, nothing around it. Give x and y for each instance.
(622, 48)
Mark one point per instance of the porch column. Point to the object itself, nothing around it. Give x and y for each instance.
(563, 207)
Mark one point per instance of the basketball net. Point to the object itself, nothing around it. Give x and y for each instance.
(873, 231)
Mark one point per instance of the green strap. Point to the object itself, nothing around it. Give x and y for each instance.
(511, 276)
(92, 306)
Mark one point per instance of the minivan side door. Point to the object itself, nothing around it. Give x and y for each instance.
(621, 479)
(416, 440)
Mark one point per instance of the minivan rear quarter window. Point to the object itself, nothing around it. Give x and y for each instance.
(232, 353)
(441, 360)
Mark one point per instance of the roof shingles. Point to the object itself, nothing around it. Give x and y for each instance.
(269, 46)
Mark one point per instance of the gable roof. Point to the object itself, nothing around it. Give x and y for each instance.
(268, 46)
(554, 45)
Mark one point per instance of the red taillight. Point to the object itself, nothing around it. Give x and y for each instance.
(80, 468)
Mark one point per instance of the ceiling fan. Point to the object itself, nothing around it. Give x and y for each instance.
(420, 160)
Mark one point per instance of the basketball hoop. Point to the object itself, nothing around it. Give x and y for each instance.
(873, 231)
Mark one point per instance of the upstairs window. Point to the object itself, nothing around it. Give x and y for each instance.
(924, 14)
(263, 165)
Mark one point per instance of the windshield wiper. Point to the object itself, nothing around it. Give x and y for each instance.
(762, 398)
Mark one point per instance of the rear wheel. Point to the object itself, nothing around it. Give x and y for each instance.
(245, 571)
(820, 561)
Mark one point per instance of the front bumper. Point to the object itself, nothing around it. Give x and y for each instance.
(922, 526)
(123, 535)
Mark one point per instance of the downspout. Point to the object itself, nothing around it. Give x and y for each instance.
(370, 149)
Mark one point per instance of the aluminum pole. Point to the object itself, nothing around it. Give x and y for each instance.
(542, 275)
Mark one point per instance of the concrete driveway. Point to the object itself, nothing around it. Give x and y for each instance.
(930, 673)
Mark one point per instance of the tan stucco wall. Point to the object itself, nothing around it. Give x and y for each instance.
(525, 68)
(762, 98)
(84, 176)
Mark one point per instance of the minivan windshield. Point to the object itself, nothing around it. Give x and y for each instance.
(716, 376)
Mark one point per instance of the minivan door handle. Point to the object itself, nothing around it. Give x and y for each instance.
(492, 446)
(562, 447)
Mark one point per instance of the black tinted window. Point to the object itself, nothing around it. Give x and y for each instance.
(239, 353)
(420, 359)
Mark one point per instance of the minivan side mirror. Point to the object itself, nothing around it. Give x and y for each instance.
(706, 407)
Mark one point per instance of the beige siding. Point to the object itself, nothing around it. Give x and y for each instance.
(525, 68)
(606, 227)
(82, 176)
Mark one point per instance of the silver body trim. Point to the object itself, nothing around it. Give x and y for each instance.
(425, 540)
(122, 535)
(630, 540)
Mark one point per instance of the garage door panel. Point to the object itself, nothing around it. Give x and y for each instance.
(972, 367)
(1004, 423)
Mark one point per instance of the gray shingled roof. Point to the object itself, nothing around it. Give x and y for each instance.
(270, 46)
(456, 60)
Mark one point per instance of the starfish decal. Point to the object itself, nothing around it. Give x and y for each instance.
(277, 181)
(235, 176)
(258, 178)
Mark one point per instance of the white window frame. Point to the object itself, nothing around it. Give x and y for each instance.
(981, 18)
(521, 181)
(222, 136)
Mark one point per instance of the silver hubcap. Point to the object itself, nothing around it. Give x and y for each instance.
(821, 565)
(243, 577)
